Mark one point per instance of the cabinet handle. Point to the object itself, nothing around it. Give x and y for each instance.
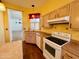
(55, 16)
(68, 56)
(6, 29)
(70, 25)
(62, 57)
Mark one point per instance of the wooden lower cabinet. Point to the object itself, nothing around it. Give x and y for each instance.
(68, 55)
(30, 37)
(38, 40)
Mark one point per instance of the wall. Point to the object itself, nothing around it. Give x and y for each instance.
(75, 34)
(62, 28)
(52, 5)
(1, 29)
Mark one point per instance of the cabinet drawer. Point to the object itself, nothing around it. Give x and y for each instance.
(38, 41)
(68, 55)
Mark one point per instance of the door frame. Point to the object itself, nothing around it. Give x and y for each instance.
(2, 29)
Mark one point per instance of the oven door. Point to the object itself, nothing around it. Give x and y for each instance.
(50, 50)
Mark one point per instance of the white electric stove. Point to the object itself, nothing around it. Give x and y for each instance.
(52, 46)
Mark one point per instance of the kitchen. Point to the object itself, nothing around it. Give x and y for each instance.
(56, 10)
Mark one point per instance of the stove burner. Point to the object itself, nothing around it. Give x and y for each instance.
(56, 40)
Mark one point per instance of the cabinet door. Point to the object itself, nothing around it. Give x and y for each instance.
(38, 40)
(64, 11)
(45, 19)
(74, 13)
(30, 37)
(68, 55)
(52, 15)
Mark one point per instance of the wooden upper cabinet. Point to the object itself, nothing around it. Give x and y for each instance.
(74, 13)
(64, 11)
(52, 15)
(61, 12)
(45, 20)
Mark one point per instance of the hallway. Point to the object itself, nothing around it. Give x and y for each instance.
(31, 51)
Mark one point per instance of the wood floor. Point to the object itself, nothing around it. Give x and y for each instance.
(31, 51)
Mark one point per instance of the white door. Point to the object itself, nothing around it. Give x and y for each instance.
(15, 24)
(1, 28)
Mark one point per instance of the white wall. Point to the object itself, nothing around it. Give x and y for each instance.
(1, 28)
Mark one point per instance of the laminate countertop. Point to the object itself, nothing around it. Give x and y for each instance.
(72, 47)
(40, 32)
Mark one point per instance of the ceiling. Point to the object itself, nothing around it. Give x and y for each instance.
(26, 3)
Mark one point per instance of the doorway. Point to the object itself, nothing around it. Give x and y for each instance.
(15, 24)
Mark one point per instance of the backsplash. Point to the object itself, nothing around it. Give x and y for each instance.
(75, 34)
(62, 28)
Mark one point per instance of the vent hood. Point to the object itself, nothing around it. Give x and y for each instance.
(59, 20)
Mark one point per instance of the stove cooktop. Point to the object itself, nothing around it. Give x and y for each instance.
(56, 40)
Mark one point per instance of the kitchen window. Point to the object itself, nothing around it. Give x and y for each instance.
(35, 24)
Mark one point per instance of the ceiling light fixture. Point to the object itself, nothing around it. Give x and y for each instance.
(2, 6)
(33, 6)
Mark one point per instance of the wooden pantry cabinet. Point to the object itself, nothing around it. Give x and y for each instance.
(74, 14)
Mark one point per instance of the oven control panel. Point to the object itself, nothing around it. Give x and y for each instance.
(62, 35)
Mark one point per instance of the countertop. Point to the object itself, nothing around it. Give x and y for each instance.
(72, 47)
(11, 50)
(40, 31)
